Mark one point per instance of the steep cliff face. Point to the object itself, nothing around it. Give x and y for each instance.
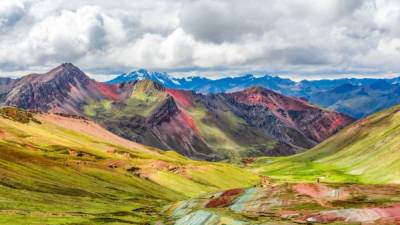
(63, 89)
(176, 130)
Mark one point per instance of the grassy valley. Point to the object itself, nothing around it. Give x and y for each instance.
(62, 170)
(365, 152)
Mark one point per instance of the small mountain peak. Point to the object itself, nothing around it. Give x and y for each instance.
(257, 90)
(259, 94)
(247, 76)
(65, 70)
(147, 86)
(66, 65)
(143, 71)
(143, 74)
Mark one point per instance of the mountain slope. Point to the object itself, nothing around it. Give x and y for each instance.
(6, 85)
(63, 89)
(366, 151)
(309, 121)
(62, 169)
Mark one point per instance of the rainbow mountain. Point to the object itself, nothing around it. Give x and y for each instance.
(233, 126)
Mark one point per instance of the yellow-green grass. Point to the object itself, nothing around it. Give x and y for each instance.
(367, 151)
(143, 100)
(50, 174)
(94, 108)
(215, 137)
(227, 134)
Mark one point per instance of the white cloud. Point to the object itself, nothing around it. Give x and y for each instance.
(10, 13)
(300, 37)
(65, 36)
(155, 51)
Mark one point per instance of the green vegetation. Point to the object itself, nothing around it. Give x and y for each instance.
(365, 152)
(18, 115)
(144, 99)
(53, 174)
(96, 108)
(228, 134)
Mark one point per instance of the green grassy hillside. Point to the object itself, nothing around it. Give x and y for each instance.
(367, 152)
(61, 170)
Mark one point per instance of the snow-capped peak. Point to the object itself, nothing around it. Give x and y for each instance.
(143, 74)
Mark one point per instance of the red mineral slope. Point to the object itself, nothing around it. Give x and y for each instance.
(184, 101)
(225, 198)
(188, 120)
(182, 97)
(312, 121)
(110, 91)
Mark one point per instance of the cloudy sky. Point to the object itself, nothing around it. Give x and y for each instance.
(298, 39)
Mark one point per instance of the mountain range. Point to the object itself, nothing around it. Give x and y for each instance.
(355, 97)
(252, 122)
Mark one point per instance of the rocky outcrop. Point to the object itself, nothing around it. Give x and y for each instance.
(175, 131)
(164, 113)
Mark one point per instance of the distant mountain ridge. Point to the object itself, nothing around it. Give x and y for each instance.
(252, 122)
(201, 84)
(364, 96)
